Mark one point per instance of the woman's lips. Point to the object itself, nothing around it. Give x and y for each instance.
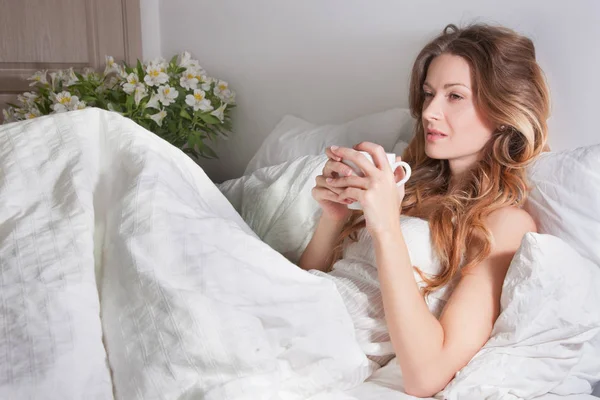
(434, 135)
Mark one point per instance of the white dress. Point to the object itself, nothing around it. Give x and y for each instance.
(355, 276)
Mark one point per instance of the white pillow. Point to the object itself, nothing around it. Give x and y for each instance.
(294, 137)
(547, 337)
(565, 198)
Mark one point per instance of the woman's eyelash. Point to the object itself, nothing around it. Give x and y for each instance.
(452, 96)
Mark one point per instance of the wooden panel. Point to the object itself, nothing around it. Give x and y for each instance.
(111, 39)
(57, 34)
(133, 30)
(51, 31)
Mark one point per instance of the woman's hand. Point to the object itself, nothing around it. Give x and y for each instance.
(334, 207)
(376, 192)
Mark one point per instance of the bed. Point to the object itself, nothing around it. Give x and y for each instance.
(128, 274)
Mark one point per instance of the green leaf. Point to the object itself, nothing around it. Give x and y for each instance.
(129, 102)
(210, 119)
(170, 125)
(173, 60)
(140, 70)
(183, 113)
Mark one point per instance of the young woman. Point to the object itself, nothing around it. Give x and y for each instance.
(481, 105)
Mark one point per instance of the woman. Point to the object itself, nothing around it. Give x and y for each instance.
(481, 103)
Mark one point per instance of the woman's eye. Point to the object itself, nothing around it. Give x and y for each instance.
(427, 94)
(455, 96)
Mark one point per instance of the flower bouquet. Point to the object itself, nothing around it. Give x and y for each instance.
(176, 100)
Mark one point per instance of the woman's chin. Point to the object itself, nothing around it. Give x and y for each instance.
(436, 154)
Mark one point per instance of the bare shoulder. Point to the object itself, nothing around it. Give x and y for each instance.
(508, 225)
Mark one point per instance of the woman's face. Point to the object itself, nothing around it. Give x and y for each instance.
(454, 129)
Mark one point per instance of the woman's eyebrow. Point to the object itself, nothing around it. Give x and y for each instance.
(447, 85)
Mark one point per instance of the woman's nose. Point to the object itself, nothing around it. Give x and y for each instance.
(433, 109)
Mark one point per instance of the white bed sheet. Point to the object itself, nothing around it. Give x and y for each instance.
(374, 391)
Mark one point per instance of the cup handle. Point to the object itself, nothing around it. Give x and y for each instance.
(407, 171)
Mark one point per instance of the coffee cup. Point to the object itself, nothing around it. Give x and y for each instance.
(391, 158)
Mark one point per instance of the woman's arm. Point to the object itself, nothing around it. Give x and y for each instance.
(319, 251)
(429, 351)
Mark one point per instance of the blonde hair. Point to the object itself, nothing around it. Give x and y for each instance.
(510, 90)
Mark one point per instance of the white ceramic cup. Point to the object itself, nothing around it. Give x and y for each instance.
(393, 165)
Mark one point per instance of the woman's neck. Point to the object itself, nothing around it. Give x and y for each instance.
(459, 168)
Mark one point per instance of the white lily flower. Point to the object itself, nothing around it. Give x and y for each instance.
(88, 72)
(38, 77)
(111, 65)
(56, 78)
(189, 79)
(111, 83)
(206, 83)
(220, 112)
(155, 76)
(198, 101)
(131, 83)
(64, 102)
(158, 117)
(186, 61)
(167, 94)
(159, 63)
(9, 115)
(122, 73)
(31, 97)
(69, 77)
(223, 92)
(153, 102)
(27, 99)
(32, 113)
(140, 93)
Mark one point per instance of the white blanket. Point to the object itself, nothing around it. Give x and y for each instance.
(186, 302)
(547, 339)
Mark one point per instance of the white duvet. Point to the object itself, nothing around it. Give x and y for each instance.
(127, 274)
(187, 303)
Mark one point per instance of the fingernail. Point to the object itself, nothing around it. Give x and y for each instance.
(328, 180)
(348, 173)
(334, 148)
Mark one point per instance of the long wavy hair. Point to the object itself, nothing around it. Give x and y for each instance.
(510, 90)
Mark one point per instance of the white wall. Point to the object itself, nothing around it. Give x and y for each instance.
(332, 60)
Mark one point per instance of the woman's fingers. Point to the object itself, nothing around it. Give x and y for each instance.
(321, 193)
(321, 181)
(348, 181)
(333, 169)
(352, 193)
(358, 159)
(329, 151)
(377, 152)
